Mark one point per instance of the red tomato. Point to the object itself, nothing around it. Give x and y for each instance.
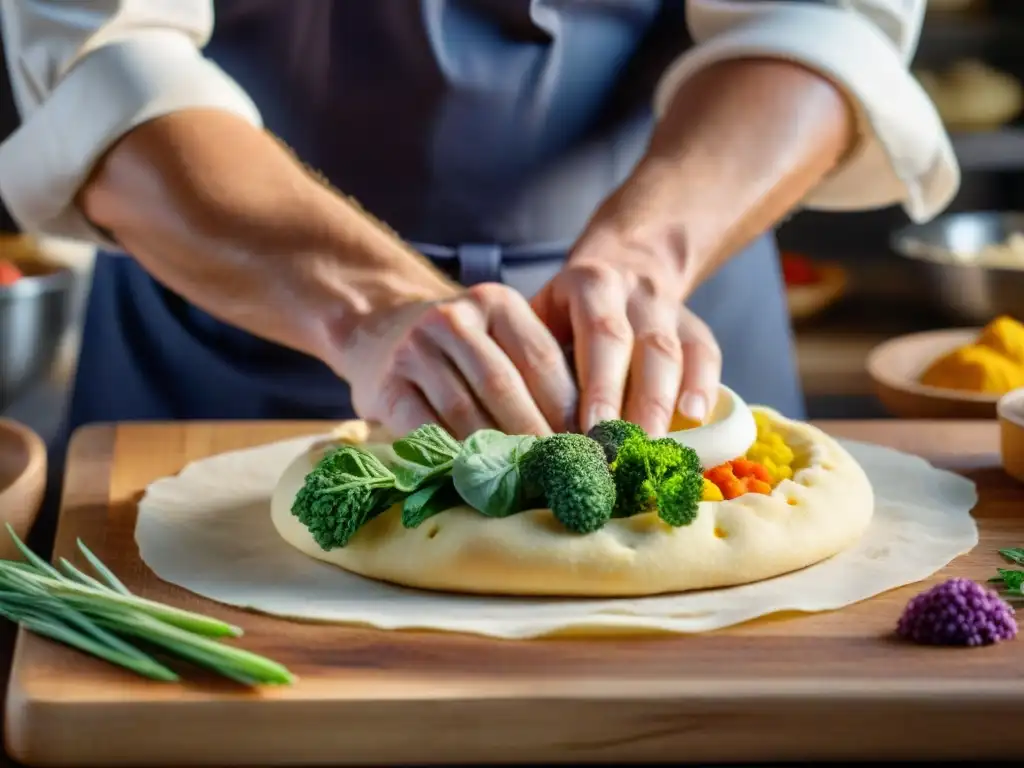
(9, 274)
(799, 270)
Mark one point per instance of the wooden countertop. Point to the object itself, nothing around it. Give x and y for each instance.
(754, 692)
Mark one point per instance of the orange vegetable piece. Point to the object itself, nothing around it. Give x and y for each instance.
(740, 476)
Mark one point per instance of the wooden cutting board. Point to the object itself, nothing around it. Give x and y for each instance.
(808, 687)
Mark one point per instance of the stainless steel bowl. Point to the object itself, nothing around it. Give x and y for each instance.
(969, 292)
(34, 313)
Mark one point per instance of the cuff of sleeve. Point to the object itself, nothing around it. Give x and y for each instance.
(904, 154)
(108, 93)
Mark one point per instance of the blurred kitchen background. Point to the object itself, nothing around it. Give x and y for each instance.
(850, 289)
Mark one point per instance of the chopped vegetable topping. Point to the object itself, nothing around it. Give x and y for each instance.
(661, 475)
(711, 492)
(347, 488)
(571, 473)
(957, 612)
(498, 475)
(611, 434)
(770, 450)
(740, 476)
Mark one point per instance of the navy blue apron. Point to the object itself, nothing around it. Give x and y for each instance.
(483, 131)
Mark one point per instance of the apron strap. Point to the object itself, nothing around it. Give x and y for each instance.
(479, 263)
(475, 263)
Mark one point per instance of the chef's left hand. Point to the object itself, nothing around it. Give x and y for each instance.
(641, 354)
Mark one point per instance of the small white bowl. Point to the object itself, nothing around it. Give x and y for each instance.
(727, 434)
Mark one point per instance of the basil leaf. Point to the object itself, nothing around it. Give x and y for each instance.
(428, 501)
(428, 446)
(486, 472)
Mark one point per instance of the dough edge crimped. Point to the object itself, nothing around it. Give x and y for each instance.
(824, 509)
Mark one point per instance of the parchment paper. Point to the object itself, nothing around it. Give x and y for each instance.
(208, 530)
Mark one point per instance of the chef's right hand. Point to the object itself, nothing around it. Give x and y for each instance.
(478, 359)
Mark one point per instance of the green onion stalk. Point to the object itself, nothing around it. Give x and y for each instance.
(98, 615)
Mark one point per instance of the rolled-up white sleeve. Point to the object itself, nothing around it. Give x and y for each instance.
(83, 74)
(903, 155)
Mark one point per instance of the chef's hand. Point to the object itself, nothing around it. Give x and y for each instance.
(476, 359)
(640, 353)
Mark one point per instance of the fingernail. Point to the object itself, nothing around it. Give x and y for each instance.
(694, 405)
(598, 414)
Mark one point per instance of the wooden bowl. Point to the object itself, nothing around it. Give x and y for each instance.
(896, 365)
(22, 481)
(806, 301)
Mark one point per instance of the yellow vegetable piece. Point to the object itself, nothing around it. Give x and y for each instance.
(974, 368)
(1005, 336)
(771, 451)
(764, 427)
(711, 492)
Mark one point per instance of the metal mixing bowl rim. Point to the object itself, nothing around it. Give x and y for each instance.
(61, 279)
(899, 237)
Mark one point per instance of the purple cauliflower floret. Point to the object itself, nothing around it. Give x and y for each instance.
(957, 612)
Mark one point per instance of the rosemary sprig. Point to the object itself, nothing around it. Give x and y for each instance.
(99, 615)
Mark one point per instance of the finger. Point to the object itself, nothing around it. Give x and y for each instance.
(603, 342)
(430, 371)
(405, 408)
(702, 367)
(538, 357)
(551, 310)
(459, 329)
(657, 365)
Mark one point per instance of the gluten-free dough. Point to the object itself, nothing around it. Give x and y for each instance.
(820, 512)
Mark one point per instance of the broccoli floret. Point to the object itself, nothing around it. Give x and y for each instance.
(346, 489)
(611, 434)
(687, 456)
(572, 475)
(660, 475)
(678, 497)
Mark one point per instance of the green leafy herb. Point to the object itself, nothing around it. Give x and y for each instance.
(1010, 579)
(348, 487)
(428, 501)
(352, 485)
(429, 448)
(1014, 555)
(98, 615)
(408, 476)
(486, 473)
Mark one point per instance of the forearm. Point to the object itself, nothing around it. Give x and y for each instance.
(741, 143)
(222, 214)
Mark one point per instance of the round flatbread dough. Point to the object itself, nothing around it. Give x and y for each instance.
(821, 511)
